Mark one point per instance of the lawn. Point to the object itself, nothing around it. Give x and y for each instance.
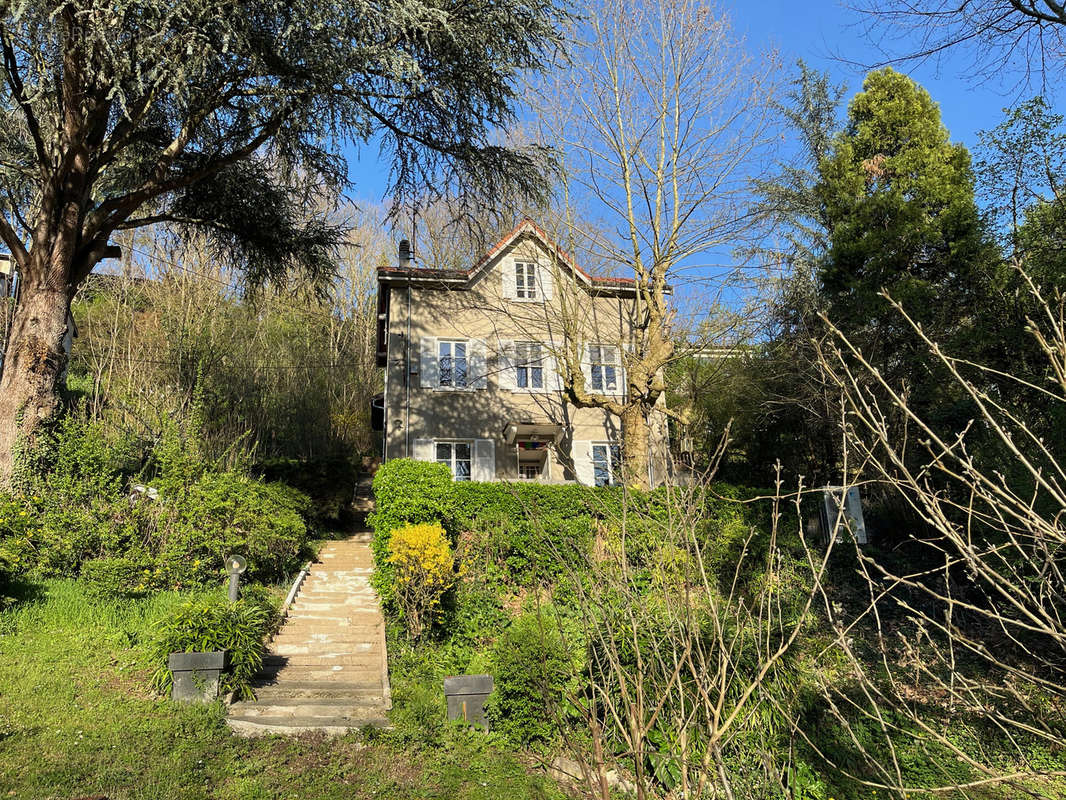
(77, 718)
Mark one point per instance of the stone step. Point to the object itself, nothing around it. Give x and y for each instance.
(333, 659)
(291, 726)
(369, 690)
(328, 637)
(353, 617)
(324, 670)
(335, 638)
(325, 649)
(340, 672)
(337, 708)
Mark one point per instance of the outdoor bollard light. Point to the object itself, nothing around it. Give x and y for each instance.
(235, 565)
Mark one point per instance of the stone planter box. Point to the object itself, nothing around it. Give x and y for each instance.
(196, 675)
(466, 696)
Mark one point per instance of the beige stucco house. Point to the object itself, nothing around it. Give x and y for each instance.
(472, 358)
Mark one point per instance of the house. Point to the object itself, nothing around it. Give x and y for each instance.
(472, 357)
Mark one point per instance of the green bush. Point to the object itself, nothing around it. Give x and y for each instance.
(120, 577)
(532, 531)
(73, 508)
(535, 667)
(213, 623)
(406, 492)
(225, 513)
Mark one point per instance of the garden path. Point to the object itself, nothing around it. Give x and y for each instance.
(327, 667)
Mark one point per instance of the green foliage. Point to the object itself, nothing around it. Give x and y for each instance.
(210, 624)
(535, 664)
(120, 577)
(224, 513)
(406, 492)
(74, 510)
(899, 198)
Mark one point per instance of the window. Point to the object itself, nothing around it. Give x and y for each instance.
(606, 459)
(529, 365)
(525, 280)
(529, 472)
(604, 367)
(452, 363)
(457, 456)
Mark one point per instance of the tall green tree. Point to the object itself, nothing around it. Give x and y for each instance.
(229, 119)
(899, 198)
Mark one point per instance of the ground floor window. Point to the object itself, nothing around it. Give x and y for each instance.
(606, 461)
(529, 472)
(457, 456)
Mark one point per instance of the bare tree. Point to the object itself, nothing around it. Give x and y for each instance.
(1025, 37)
(658, 121)
(969, 628)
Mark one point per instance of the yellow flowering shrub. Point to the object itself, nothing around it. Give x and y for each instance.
(424, 569)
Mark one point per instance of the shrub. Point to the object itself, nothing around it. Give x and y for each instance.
(534, 668)
(424, 569)
(213, 623)
(226, 512)
(120, 577)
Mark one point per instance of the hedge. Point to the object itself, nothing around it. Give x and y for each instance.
(534, 530)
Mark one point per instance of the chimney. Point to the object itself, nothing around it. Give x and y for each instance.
(405, 254)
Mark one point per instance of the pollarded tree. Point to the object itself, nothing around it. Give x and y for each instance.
(228, 118)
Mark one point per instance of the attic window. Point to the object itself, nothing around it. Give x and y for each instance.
(525, 278)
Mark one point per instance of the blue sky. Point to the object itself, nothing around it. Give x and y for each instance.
(827, 36)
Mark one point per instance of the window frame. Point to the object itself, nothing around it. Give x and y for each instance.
(453, 459)
(451, 386)
(526, 289)
(601, 365)
(523, 364)
(611, 464)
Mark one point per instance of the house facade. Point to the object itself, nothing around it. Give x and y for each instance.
(473, 359)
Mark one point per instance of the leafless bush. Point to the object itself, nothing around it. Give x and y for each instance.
(967, 634)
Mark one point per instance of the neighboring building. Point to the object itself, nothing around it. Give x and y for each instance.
(470, 365)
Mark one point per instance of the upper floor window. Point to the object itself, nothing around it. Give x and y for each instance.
(525, 280)
(606, 460)
(457, 456)
(604, 367)
(452, 356)
(529, 365)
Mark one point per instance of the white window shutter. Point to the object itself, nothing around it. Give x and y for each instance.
(581, 452)
(484, 467)
(423, 450)
(429, 364)
(509, 288)
(553, 381)
(477, 364)
(545, 281)
(586, 367)
(505, 365)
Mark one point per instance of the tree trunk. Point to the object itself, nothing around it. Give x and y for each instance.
(635, 449)
(34, 361)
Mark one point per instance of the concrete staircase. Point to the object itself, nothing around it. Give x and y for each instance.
(327, 668)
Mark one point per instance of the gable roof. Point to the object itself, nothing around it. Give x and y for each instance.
(526, 227)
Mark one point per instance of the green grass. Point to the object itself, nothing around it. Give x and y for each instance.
(77, 718)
